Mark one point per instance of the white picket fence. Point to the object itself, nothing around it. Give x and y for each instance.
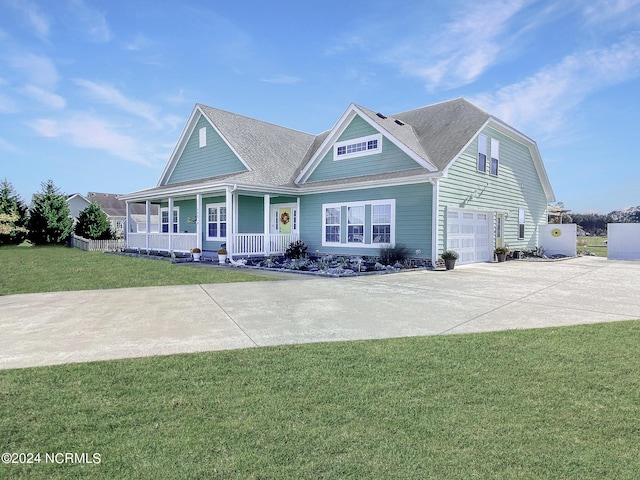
(96, 245)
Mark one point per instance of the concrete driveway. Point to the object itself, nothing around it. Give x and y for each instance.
(54, 328)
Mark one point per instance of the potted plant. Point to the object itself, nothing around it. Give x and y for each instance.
(222, 256)
(449, 257)
(196, 252)
(501, 253)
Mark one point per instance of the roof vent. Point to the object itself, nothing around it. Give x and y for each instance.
(398, 122)
(381, 115)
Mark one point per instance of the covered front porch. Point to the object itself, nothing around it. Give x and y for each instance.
(243, 222)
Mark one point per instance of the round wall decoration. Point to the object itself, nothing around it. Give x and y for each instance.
(284, 218)
(556, 232)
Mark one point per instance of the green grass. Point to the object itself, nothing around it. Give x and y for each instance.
(596, 245)
(550, 403)
(55, 269)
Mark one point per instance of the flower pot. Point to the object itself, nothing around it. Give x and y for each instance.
(449, 264)
(196, 257)
(222, 258)
(502, 257)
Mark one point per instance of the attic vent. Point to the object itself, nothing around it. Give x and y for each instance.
(398, 122)
(381, 115)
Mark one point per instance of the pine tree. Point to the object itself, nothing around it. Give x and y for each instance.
(13, 215)
(50, 221)
(93, 223)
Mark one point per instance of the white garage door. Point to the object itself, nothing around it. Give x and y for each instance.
(468, 234)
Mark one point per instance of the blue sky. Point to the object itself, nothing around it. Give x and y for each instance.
(94, 93)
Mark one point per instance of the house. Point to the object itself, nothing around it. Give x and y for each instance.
(77, 202)
(115, 210)
(445, 176)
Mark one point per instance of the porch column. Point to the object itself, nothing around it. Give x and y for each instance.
(230, 222)
(267, 214)
(170, 223)
(199, 221)
(435, 221)
(126, 225)
(148, 222)
(298, 214)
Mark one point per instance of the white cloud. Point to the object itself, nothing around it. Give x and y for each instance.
(7, 104)
(282, 80)
(463, 49)
(35, 18)
(87, 131)
(48, 99)
(39, 70)
(140, 42)
(90, 21)
(8, 147)
(622, 12)
(112, 96)
(544, 101)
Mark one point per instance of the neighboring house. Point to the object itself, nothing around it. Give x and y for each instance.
(77, 202)
(116, 211)
(445, 176)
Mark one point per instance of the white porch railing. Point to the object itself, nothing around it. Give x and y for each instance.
(241, 243)
(180, 242)
(254, 243)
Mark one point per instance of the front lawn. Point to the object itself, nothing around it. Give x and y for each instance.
(55, 269)
(549, 403)
(595, 245)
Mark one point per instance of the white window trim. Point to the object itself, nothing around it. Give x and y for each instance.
(521, 223)
(206, 220)
(202, 137)
(364, 223)
(324, 224)
(367, 225)
(495, 155)
(177, 224)
(482, 150)
(372, 151)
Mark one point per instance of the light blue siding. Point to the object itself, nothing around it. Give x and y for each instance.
(391, 159)
(196, 162)
(516, 186)
(413, 218)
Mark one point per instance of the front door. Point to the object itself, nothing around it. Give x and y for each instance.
(499, 229)
(284, 219)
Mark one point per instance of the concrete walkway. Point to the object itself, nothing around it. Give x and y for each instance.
(55, 328)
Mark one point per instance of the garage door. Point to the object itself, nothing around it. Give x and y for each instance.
(468, 234)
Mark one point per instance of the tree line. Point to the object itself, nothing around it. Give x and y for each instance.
(48, 220)
(596, 224)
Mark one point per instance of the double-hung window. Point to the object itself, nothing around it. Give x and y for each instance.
(332, 224)
(355, 221)
(495, 156)
(381, 223)
(164, 220)
(216, 221)
(482, 153)
(365, 224)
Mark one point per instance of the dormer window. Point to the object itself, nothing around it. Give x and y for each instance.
(358, 147)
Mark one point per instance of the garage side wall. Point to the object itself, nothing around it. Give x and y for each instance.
(516, 186)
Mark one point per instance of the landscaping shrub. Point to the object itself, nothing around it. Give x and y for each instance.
(296, 249)
(393, 253)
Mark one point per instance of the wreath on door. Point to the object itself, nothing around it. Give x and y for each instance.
(284, 218)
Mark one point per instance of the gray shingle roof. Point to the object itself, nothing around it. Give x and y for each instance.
(276, 155)
(272, 152)
(445, 128)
